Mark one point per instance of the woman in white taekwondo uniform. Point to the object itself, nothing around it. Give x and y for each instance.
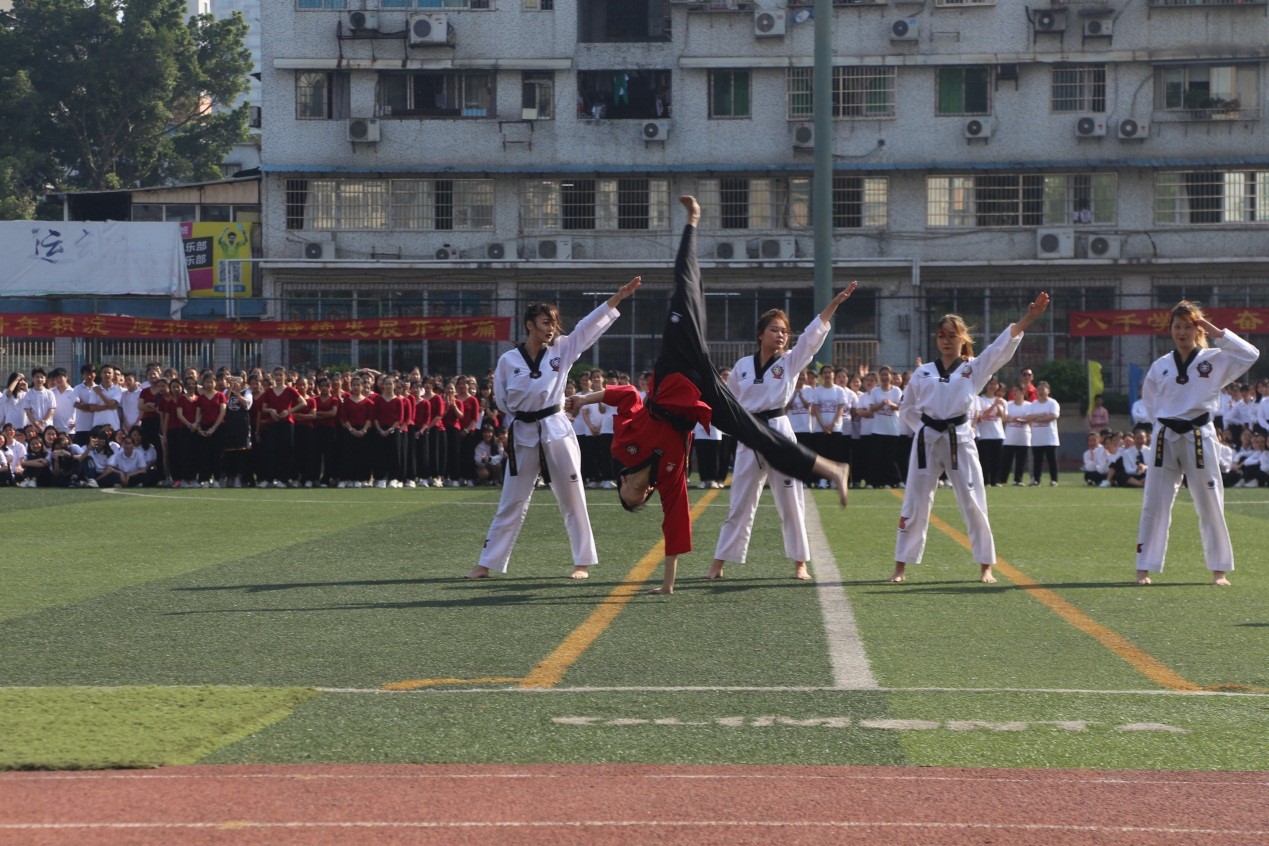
(763, 384)
(939, 403)
(529, 385)
(1181, 393)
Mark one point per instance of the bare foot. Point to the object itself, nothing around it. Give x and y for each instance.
(1143, 577)
(843, 484)
(478, 573)
(661, 591)
(1218, 578)
(899, 574)
(715, 572)
(580, 573)
(800, 573)
(987, 578)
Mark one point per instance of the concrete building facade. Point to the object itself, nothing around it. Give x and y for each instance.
(470, 158)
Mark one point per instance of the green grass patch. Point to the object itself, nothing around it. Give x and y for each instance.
(112, 727)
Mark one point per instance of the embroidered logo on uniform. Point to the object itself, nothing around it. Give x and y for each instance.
(1211, 485)
(903, 523)
(1204, 369)
(788, 483)
(969, 485)
(675, 317)
(744, 375)
(516, 371)
(777, 372)
(1165, 371)
(669, 468)
(572, 477)
(632, 449)
(555, 364)
(967, 372)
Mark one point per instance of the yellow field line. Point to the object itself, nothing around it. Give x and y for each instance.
(1140, 660)
(550, 671)
(416, 684)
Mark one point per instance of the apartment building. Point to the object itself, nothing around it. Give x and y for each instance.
(467, 156)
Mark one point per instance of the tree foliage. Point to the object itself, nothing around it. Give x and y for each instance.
(116, 94)
(1068, 382)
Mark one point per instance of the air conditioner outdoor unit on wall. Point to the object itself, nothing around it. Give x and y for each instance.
(905, 29)
(803, 136)
(447, 252)
(1090, 126)
(731, 251)
(363, 130)
(1098, 28)
(768, 23)
(428, 29)
(655, 130)
(319, 250)
(1104, 246)
(979, 127)
(1055, 243)
(501, 251)
(777, 249)
(362, 21)
(1131, 130)
(1050, 20)
(555, 249)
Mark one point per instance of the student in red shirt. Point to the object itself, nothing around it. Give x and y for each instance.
(392, 418)
(463, 447)
(210, 408)
(152, 421)
(356, 415)
(652, 442)
(438, 455)
(180, 438)
(308, 461)
(277, 430)
(325, 408)
(419, 461)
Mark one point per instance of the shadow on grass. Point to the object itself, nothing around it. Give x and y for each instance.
(512, 583)
(1002, 587)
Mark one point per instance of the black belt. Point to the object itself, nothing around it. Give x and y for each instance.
(770, 414)
(949, 425)
(1183, 427)
(530, 417)
(677, 421)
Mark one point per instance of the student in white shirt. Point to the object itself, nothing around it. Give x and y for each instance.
(85, 401)
(11, 412)
(989, 431)
(1044, 414)
(1017, 437)
(39, 403)
(883, 402)
(865, 469)
(1181, 392)
(64, 417)
(1095, 464)
(830, 406)
(129, 402)
(1245, 450)
(1130, 470)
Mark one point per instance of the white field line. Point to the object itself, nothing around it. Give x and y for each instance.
(851, 670)
(237, 825)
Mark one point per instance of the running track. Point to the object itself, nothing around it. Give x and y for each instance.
(634, 804)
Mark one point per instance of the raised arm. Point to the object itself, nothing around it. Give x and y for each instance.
(1033, 312)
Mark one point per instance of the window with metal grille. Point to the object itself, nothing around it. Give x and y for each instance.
(322, 95)
(1215, 196)
(1013, 199)
(436, 94)
(963, 91)
(539, 5)
(729, 94)
(432, 4)
(1078, 88)
(1206, 91)
(958, 3)
(745, 203)
(537, 95)
(632, 203)
(858, 92)
(859, 202)
(310, 5)
(389, 204)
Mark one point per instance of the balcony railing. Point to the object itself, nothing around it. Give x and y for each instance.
(1208, 2)
(1204, 114)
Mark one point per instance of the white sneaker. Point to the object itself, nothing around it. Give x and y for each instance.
(396, 483)
(424, 483)
(382, 483)
(1254, 483)
(26, 483)
(704, 486)
(1104, 484)
(308, 484)
(342, 485)
(411, 484)
(88, 483)
(591, 486)
(1053, 484)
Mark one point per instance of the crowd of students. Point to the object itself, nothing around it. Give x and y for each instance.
(364, 428)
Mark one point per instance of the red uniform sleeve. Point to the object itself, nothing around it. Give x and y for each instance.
(625, 397)
(676, 512)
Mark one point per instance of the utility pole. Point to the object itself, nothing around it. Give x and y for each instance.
(822, 181)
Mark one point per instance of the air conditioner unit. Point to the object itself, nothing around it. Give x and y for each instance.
(255, 117)
(1130, 130)
(776, 249)
(731, 251)
(1049, 20)
(555, 249)
(1098, 28)
(319, 250)
(446, 253)
(979, 127)
(1055, 243)
(1090, 126)
(362, 21)
(905, 29)
(501, 251)
(769, 23)
(1104, 246)
(655, 130)
(428, 29)
(363, 130)
(803, 136)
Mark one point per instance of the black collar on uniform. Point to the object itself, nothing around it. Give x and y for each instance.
(760, 369)
(945, 374)
(535, 364)
(1182, 366)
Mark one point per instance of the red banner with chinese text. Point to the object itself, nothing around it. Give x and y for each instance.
(1156, 321)
(391, 329)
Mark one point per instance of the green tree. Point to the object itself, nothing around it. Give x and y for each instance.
(118, 93)
(1068, 382)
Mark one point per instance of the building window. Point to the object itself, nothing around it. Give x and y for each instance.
(858, 92)
(537, 95)
(539, 5)
(623, 20)
(432, 4)
(1012, 199)
(964, 91)
(322, 95)
(436, 94)
(623, 94)
(859, 202)
(308, 5)
(745, 203)
(1197, 197)
(595, 204)
(389, 204)
(148, 212)
(1078, 88)
(1208, 91)
(729, 94)
(956, 4)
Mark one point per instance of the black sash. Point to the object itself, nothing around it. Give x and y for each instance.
(770, 414)
(529, 417)
(759, 369)
(1183, 427)
(1182, 367)
(949, 425)
(535, 364)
